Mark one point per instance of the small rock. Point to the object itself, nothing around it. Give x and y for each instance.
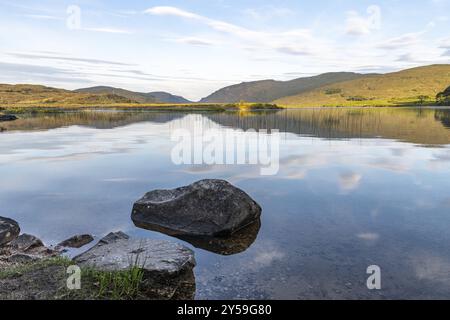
(77, 241)
(204, 208)
(25, 242)
(7, 117)
(9, 230)
(114, 236)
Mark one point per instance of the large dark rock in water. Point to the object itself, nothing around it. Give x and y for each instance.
(205, 208)
(9, 230)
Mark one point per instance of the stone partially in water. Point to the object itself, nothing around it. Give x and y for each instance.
(167, 266)
(204, 208)
(77, 241)
(9, 230)
(7, 117)
(154, 256)
(26, 242)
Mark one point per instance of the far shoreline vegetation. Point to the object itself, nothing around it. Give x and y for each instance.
(422, 86)
(191, 107)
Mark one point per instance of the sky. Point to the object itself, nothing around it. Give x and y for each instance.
(195, 47)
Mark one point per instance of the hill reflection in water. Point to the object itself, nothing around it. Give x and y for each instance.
(424, 126)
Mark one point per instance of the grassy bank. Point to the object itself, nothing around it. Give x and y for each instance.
(47, 280)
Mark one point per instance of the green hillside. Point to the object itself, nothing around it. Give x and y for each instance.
(140, 97)
(269, 90)
(135, 96)
(24, 94)
(417, 86)
(167, 97)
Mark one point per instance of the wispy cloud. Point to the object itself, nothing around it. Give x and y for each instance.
(42, 17)
(29, 73)
(292, 42)
(358, 24)
(195, 41)
(402, 41)
(66, 58)
(108, 30)
(268, 12)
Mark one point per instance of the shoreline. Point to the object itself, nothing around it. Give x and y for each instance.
(15, 110)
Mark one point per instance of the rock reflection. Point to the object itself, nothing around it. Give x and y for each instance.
(236, 243)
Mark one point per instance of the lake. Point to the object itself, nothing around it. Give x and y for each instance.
(356, 187)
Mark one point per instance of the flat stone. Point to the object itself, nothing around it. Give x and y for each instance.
(9, 230)
(204, 208)
(77, 241)
(155, 257)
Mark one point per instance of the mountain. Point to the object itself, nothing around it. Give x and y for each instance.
(167, 97)
(140, 97)
(136, 96)
(270, 90)
(36, 94)
(414, 86)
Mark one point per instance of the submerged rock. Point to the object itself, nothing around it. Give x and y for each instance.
(167, 267)
(204, 208)
(236, 243)
(7, 117)
(9, 230)
(77, 241)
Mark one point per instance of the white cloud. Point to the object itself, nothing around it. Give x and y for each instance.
(172, 11)
(107, 30)
(195, 41)
(292, 42)
(402, 41)
(361, 25)
(42, 17)
(268, 12)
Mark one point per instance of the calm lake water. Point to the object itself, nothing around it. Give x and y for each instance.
(356, 187)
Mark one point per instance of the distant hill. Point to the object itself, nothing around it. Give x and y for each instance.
(270, 90)
(35, 94)
(415, 86)
(168, 98)
(140, 97)
(136, 96)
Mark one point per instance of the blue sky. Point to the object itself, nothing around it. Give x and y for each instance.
(195, 47)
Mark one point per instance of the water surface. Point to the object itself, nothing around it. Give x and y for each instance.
(356, 187)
